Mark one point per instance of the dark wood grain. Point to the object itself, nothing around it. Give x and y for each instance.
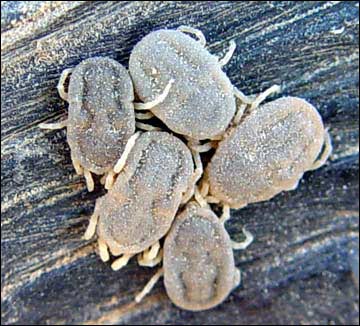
(299, 268)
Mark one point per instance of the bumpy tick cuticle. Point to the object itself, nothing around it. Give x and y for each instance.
(198, 263)
(140, 207)
(201, 102)
(260, 150)
(101, 116)
(267, 153)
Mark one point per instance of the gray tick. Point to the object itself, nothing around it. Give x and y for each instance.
(101, 116)
(140, 207)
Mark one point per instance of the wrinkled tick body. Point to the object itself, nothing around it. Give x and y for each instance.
(268, 152)
(201, 102)
(101, 116)
(139, 209)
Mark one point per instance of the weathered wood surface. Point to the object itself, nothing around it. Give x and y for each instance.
(298, 270)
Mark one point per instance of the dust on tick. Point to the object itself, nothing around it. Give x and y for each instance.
(198, 263)
(140, 207)
(261, 150)
(101, 117)
(267, 153)
(201, 101)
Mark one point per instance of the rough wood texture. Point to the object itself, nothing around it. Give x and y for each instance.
(298, 270)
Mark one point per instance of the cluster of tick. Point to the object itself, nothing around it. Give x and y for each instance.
(157, 187)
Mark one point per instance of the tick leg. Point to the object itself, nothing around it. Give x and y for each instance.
(147, 127)
(242, 97)
(201, 148)
(262, 96)
(89, 180)
(320, 161)
(150, 262)
(152, 252)
(200, 199)
(121, 262)
(60, 86)
(212, 200)
(144, 116)
(115, 251)
(148, 287)
(239, 113)
(243, 244)
(129, 145)
(225, 214)
(195, 177)
(77, 166)
(90, 231)
(103, 250)
(53, 126)
(237, 277)
(228, 54)
(204, 188)
(109, 181)
(160, 98)
(191, 30)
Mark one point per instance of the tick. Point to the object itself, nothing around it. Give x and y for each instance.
(101, 116)
(267, 153)
(198, 262)
(140, 207)
(201, 101)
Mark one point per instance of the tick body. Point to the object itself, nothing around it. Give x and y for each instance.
(139, 209)
(201, 102)
(101, 116)
(268, 152)
(199, 268)
(101, 113)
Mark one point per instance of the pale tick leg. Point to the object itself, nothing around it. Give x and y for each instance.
(320, 161)
(225, 214)
(239, 113)
(212, 200)
(89, 180)
(204, 188)
(200, 199)
(158, 100)
(195, 177)
(201, 148)
(150, 262)
(53, 126)
(61, 83)
(152, 252)
(130, 144)
(148, 287)
(262, 96)
(77, 166)
(90, 231)
(121, 262)
(191, 30)
(103, 250)
(144, 116)
(242, 97)
(237, 277)
(147, 127)
(228, 54)
(116, 251)
(249, 238)
(109, 181)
